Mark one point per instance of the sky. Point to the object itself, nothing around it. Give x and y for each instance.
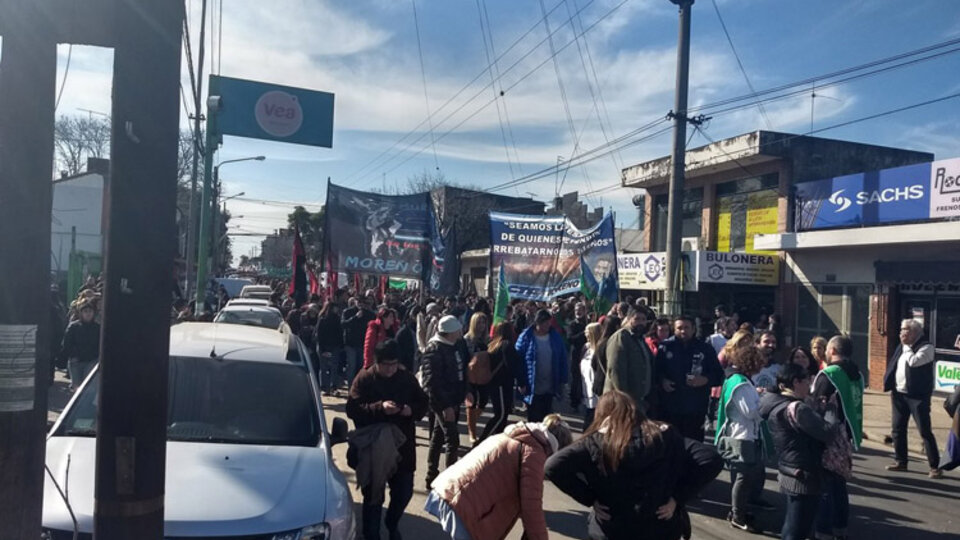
(610, 70)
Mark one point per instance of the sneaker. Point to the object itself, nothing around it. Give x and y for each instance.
(936, 474)
(897, 467)
(744, 524)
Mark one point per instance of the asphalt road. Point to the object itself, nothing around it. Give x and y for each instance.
(905, 506)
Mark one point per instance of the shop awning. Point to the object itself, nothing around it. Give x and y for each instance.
(902, 272)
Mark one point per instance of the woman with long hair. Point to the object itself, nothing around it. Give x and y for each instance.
(739, 437)
(803, 358)
(477, 338)
(660, 330)
(593, 333)
(818, 348)
(508, 371)
(599, 361)
(627, 469)
(382, 328)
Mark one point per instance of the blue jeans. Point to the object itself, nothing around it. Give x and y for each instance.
(354, 360)
(330, 376)
(801, 511)
(834, 513)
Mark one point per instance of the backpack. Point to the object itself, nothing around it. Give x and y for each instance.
(478, 370)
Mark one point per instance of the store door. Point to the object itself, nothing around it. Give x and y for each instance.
(919, 309)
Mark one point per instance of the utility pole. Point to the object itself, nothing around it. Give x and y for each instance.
(197, 118)
(28, 72)
(673, 301)
(141, 244)
(212, 141)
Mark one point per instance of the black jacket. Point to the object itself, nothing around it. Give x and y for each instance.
(514, 372)
(354, 323)
(600, 368)
(82, 341)
(799, 438)
(407, 340)
(674, 360)
(329, 333)
(920, 379)
(444, 373)
(952, 403)
(365, 406)
(645, 480)
(824, 389)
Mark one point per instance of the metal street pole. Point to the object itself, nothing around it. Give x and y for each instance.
(141, 246)
(197, 117)
(673, 304)
(28, 71)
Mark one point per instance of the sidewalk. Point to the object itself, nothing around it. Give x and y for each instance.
(876, 422)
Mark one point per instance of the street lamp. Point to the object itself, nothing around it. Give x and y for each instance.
(214, 230)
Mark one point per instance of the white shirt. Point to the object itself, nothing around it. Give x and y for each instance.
(586, 371)
(911, 358)
(743, 422)
(717, 340)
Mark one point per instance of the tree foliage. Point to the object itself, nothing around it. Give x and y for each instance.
(311, 230)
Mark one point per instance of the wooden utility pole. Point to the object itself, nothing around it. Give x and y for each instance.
(141, 241)
(27, 94)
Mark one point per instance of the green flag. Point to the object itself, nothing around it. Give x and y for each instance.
(503, 299)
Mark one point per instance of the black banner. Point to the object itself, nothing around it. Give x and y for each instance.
(371, 233)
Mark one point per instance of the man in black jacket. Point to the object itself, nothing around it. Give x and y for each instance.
(387, 392)
(687, 368)
(909, 379)
(81, 345)
(354, 323)
(444, 373)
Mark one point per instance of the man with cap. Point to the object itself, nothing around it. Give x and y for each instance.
(545, 357)
(444, 374)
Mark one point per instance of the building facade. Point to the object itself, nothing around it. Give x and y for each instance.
(735, 190)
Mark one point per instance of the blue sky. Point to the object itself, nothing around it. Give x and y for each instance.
(365, 51)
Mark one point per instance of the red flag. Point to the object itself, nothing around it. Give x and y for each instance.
(298, 278)
(314, 284)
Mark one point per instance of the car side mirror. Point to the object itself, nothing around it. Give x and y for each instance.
(338, 432)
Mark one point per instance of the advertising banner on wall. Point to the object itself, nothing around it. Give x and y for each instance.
(738, 268)
(741, 217)
(541, 255)
(913, 193)
(646, 271)
(378, 234)
(948, 375)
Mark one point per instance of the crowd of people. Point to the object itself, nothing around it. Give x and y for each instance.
(648, 389)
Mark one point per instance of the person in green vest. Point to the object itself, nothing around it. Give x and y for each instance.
(839, 388)
(739, 436)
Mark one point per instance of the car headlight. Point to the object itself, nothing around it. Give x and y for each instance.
(319, 531)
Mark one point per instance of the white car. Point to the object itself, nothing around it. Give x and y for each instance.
(240, 395)
(248, 302)
(256, 291)
(262, 316)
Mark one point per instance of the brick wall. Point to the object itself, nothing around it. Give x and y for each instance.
(882, 315)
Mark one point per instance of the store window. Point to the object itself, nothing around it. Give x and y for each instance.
(745, 208)
(692, 209)
(828, 309)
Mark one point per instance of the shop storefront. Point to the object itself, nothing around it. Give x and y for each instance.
(872, 249)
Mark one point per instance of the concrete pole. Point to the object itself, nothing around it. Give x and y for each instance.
(197, 117)
(673, 301)
(27, 94)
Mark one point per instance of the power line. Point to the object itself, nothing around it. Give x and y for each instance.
(63, 83)
(423, 75)
(516, 42)
(503, 100)
(486, 51)
(743, 70)
(509, 88)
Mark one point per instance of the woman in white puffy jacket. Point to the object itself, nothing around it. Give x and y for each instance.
(593, 333)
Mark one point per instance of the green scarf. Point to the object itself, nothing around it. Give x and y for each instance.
(851, 396)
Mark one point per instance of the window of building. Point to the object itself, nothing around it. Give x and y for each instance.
(745, 208)
(692, 209)
(828, 309)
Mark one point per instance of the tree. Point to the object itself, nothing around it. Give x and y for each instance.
(311, 230)
(77, 138)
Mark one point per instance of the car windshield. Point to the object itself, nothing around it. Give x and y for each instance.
(223, 401)
(263, 318)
